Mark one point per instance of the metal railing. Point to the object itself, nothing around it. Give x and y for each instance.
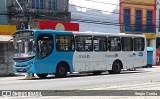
(139, 28)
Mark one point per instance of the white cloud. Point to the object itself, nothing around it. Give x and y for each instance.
(101, 14)
(103, 5)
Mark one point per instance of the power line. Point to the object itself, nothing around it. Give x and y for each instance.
(95, 16)
(107, 23)
(99, 25)
(105, 11)
(119, 2)
(92, 8)
(104, 22)
(102, 2)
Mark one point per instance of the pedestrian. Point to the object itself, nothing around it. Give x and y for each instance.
(29, 75)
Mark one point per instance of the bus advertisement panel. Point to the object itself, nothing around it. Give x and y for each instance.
(67, 26)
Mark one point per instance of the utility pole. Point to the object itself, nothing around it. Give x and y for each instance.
(24, 7)
(26, 14)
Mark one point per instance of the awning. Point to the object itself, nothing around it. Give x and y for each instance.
(5, 38)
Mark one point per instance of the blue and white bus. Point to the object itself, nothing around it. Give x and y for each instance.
(44, 52)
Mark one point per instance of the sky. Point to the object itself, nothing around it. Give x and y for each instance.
(105, 5)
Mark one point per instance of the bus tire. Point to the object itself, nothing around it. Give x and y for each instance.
(42, 76)
(61, 70)
(116, 68)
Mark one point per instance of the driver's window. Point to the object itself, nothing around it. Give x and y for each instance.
(45, 45)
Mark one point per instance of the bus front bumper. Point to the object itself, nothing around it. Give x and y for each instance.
(23, 68)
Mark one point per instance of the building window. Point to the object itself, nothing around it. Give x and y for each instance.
(38, 4)
(127, 27)
(34, 4)
(52, 4)
(41, 4)
(138, 27)
(149, 27)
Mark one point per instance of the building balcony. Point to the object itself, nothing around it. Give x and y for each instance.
(138, 29)
(16, 12)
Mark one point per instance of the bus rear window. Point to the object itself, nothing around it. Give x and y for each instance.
(127, 44)
(139, 44)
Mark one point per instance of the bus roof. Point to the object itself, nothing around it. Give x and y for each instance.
(108, 34)
(83, 33)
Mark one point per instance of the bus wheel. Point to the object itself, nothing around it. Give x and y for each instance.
(61, 70)
(42, 75)
(116, 68)
(97, 73)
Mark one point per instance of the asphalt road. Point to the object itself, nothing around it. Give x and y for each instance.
(82, 81)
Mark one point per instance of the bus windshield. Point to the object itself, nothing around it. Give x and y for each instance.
(24, 47)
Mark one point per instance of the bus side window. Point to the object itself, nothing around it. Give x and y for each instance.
(100, 43)
(139, 44)
(65, 43)
(84, 43)
(114, 44)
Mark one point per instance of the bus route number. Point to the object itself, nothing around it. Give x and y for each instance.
(84, 56)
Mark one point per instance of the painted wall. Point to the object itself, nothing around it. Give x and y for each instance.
(140, 1)
(7, 29)
(3, 11)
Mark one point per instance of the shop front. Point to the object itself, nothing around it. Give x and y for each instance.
(6, 49)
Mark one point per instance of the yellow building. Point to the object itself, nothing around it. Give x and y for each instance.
(139, 17)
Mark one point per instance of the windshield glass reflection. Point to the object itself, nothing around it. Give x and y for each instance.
(24, 47)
